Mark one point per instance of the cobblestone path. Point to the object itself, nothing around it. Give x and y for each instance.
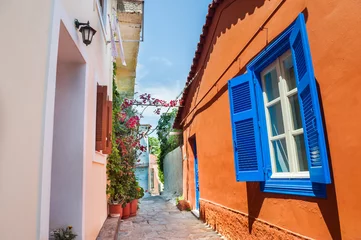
(158, 219)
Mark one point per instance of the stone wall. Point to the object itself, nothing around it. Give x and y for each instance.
(235, 225)
(173, 172)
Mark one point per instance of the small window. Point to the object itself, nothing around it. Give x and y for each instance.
(283, 116)
(102, 11)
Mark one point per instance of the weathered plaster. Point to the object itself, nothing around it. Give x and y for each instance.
(130, 20)
(173, 172)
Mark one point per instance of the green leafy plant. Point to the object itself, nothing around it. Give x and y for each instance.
(167, 143)
(126, 148)
(63, 233)
(154, 146)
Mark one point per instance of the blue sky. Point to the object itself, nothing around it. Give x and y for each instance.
(171, 34)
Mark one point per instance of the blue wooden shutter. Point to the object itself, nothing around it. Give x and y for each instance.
(245, 129)
(309, 103)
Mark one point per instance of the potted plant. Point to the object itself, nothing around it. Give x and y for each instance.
(63, 234)
(126, 210)
(115, 200)
(137, 193)
(115, 187)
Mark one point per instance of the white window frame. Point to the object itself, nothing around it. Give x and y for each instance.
(102, 13)
(289, 134)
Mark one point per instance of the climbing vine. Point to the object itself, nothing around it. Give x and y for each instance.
(122, 185)
(167, 143)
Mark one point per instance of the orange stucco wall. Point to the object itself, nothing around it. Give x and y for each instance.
(334, 36)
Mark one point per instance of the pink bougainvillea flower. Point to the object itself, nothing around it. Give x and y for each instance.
(133, 122)
(143, 148)
(123, 148)
(122, 116)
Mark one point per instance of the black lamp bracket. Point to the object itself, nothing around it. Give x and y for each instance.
(78, 24)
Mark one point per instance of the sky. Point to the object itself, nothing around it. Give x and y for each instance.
(171, 33)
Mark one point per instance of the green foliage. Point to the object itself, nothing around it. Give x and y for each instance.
(64, 234)
(178, 199)
(167, 143)
(116, 187)
(122, 186)
(154, 146)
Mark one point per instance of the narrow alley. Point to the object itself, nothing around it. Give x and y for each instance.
(158, 219)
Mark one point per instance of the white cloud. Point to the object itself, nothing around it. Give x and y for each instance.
(142, 71)
(162, 60)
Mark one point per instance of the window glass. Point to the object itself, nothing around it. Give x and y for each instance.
(275, 113)
(280, 153)
(301, 152)
(296, 112)
(289, 73)
(271, 83)
(288, 153)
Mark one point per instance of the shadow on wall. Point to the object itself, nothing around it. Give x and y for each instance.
(328, 207)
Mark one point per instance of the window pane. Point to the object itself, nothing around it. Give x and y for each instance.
(296, 112)
(275, 113)
(281, 159)
(301, 152)
(290, 73)
(271, 83)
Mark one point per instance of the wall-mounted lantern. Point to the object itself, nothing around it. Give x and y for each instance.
(86, 30)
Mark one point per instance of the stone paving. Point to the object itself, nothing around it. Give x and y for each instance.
(158, 219)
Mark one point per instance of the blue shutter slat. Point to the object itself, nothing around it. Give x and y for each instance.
(241, 98)
(315, 142)
(246, 149)
(245, 132)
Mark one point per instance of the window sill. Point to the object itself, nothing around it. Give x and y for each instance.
(299, 187)
(298, 175)
(100, 158)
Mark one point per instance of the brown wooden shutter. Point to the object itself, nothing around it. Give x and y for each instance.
(101, 118)
(108, 143)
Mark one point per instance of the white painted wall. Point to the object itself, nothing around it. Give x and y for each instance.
(28, 62)
(173, 172)
(24, 46)
(67, 165)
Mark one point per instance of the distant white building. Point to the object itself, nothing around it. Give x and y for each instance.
(142, 167)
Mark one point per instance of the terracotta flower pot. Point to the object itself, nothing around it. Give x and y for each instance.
(115, 210)
(126, 211)
(133, 207)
